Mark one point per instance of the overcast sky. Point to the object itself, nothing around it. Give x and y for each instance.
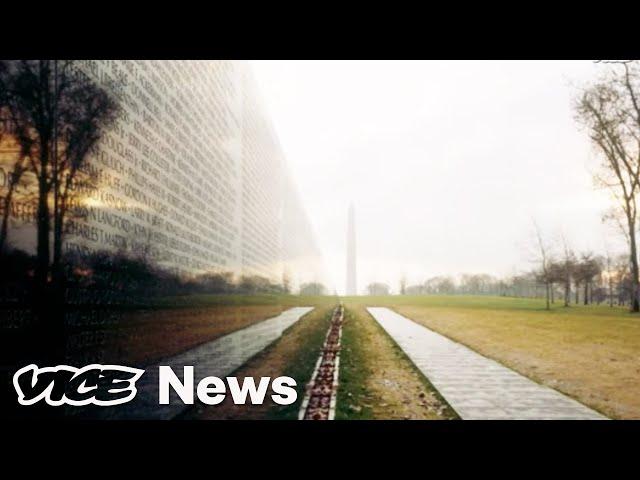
(446, 162)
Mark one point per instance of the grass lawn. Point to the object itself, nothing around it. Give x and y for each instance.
(377, 380)
(591, 353)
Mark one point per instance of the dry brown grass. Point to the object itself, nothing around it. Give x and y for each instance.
(593, 357)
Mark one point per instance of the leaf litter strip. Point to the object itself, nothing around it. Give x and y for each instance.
(319, 402)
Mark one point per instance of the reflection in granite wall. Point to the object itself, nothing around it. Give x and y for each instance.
(192, 177)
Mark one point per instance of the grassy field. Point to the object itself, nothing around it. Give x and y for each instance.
(377, 380)
(591, 353)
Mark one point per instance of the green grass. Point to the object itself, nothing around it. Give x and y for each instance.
(354, 373)
(369, 355)
(483, 302)
(300, 366)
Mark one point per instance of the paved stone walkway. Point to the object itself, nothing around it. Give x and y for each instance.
(216, 358)
(477, 387)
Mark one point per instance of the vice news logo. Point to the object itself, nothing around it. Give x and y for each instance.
(102, 385)
(106, 385)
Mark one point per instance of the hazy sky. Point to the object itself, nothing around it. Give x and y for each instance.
(446, 162)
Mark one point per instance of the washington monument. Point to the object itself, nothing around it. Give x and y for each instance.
(352, 288)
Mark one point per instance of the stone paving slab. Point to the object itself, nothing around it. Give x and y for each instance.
(477, 387)
(216, 358)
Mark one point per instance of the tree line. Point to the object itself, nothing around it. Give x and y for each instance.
(114, 278)
(608, 109)
(583, 278)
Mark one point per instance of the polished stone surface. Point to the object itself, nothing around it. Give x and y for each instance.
(217, 358)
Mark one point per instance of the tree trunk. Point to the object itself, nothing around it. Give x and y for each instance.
(610, 292)
(14, 179)
(567, 292)
(586, 293)
(547, 295)
(56, 268)
(635, 306)
(43, 220)
(577, 293)
(57, 242)
(6, 212)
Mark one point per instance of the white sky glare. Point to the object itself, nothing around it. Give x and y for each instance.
(446, 162)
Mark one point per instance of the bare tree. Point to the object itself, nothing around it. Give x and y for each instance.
(59, 115)
(286, 281)
(86, 111)
(556, 275)
(440, 285)
(14, 177)
(568, 267)
(609, 275)
(313, 288)
(377, 288)
(622, 279)
(586, 270)
(403, 285)
(13, 134)
(544, 274)
(610, 110)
